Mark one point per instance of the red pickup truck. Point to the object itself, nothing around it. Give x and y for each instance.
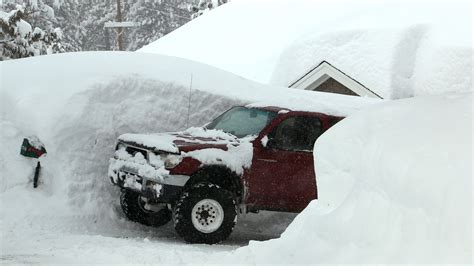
(247, 159)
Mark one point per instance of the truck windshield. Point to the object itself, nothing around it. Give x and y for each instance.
(242, 121)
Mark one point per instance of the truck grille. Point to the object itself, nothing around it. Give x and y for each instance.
(132, 151)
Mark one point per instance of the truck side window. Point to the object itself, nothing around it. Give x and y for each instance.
(296, 133)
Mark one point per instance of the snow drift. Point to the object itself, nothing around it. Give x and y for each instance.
(395, 56)
(395, 185)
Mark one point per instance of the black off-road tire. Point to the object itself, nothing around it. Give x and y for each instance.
(130, 202)
(183, 209)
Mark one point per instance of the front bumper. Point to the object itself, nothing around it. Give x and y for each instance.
(161, 187)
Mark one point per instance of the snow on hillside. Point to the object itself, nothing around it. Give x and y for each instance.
(78, 104)
(395, 186)
(282, 40)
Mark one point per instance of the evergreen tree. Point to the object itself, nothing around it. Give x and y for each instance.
(203, 6)
(82, 21)
(92, 17)
(156, 19)
(18, 40)
(66, 13)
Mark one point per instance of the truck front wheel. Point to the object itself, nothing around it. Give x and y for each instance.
(136, 209)
(205, 214)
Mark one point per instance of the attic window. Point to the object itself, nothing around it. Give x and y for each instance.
(331, 85)
(327, 78)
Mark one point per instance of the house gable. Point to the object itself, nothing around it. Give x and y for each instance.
(327, 78)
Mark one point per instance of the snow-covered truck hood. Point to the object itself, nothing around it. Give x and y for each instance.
(185, 141)
(207, 146)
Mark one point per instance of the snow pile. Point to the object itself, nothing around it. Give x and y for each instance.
(283, 40)
(395, 186)
(78, 112)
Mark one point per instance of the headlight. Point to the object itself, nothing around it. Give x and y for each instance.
(120, 146)
(172, 160)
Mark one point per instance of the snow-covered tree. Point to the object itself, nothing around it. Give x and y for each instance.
(14, 35)
(82, 21)
(66, 13)
(156, 18)
(203, 6)
(18, 39)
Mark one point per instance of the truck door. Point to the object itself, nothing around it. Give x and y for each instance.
(282, 174)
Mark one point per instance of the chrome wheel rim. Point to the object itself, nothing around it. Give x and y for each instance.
(207, 216)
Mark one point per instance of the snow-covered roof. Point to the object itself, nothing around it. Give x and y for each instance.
(277, 42)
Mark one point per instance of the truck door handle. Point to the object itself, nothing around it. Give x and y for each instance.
(268, 160)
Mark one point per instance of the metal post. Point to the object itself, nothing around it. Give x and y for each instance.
(120, 29)
(37, 172)
(107, 39)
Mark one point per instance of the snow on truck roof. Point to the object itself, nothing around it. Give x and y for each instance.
(337, 107)
(312, 101)
(394, 56)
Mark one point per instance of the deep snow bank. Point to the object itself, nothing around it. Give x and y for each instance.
(80, 140)
(78, 104)
(395, 186)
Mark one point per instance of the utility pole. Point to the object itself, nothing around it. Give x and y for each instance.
(119, 29)
(120, 25)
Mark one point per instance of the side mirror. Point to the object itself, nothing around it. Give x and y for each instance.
(268, 142)
(271, 143)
